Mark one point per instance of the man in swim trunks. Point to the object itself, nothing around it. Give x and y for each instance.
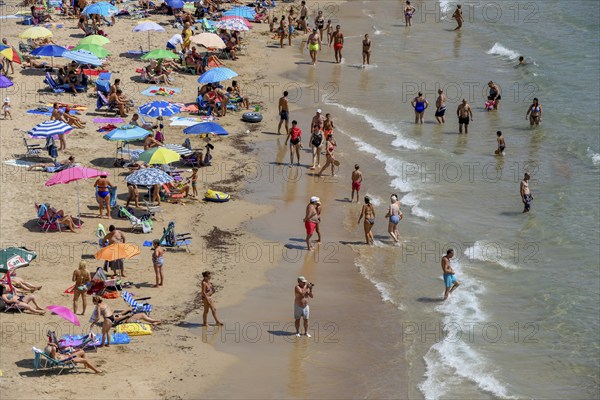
(356, 181)
(313, 44)
(495, 94)
(318, 121)
(450, 281)
(304, 17)
(464, 113)
(328, 125)
(302, 292)
(526, 195)
(115, 236)
(338, 43)
(458, 17)
(366, 50)
(501, 144)
(295, 138)
(284, 112)
(311, 219)
(291, 24)
(440, 107)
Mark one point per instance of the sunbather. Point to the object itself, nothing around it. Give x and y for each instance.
(61, 218)
(21, 283)
(130, 316)
(21, 301)
(150, 142)
(72, 120)
(152, 76)
(180, 187)
(82, 279)
(238, 92)
(53, 165)
(120, 102)
(41, 18)
(33, 63)
(76, 356)
(135, 120)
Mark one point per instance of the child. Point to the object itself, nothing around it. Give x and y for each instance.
(273, 24)
(194, 181)
(501, 144)
(489, 104)
(6, 108)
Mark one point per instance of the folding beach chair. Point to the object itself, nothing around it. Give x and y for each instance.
(102, 104)
(171, 239)
(45, 221)
(31, 149)
(136, 304)
(174, 196)
(12, 306)
(144, 225)
(40, 355)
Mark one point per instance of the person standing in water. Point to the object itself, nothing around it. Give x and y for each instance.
(366, 50)
(394, 216)
(369, 213)
(284, 113)
(458, 17)
(534, 113)
(440, 107)
(338, 43)
(295, 138)
(420, 104)
(313, 44)
(464, 114)
(495, 94)
(209, 304)
(501, 144)
(311, 219)
(356, 181)
(450, 281)
(316, 143)
(302, 292)
(408, 13)
(526, 195)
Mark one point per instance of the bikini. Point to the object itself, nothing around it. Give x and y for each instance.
(103, 193)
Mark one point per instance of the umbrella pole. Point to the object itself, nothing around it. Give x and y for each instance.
(78, 208)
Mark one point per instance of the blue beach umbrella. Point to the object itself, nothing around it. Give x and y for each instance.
(103, 8)
(50, 50)
(149, 177)
(159, 109)
(82, 57)
(206, 127)
(217, 75)
(175, 3)
(243, 11)
(50, 128)
(127, 133)
(5, 82)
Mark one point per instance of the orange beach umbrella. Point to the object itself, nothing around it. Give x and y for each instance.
(117, 251)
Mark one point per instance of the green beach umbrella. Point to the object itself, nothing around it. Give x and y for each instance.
(98, 40)
(159, 54)
(96, 50)
(12, 258)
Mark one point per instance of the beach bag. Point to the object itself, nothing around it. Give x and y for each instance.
(111, 295)
(52, 151)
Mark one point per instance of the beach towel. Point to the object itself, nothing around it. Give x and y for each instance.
(189, 121)
(161, 91)
(134, 329)
(192, 107)
(93, 72)
(48, 111)
(77, 340)
(78, 107)
(136, 53)
(53, 26)
(107, 128)
(108, 121)
(19, 163)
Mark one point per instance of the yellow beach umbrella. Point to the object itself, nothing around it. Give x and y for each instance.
(35, 32)
(159, 155)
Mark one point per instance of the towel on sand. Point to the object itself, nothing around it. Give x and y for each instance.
(160, 91)
(108, 120)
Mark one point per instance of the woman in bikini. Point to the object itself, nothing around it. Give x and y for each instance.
(369, 213)
(81, 277)
(77, 357)
(102, 310)
(130, 316)
(158, 260)
(207, 291)
(408, 13)
(394, 216)
(21, 301)
(102, 185)
(534, 113)
(330, 159)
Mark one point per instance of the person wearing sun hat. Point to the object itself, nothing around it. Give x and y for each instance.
(318, 120)
(302, 292)
(311, 219)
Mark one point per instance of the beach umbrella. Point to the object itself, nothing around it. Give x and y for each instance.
(205, 127)
(35, 32)
(244, 20)
(74, 174)
(182, 151)
(243, 11)
(217, 75)
(208, 40)
(233, 24)
(95, 39)
(127, 133)
(82, 57)
(103, 8)
(148, 26)
(149, 177)
(12, 258)
(117, 251)
(50, 50)
(158, 54)
(159, 109)
(65, 313)
(50, 128)
(96, 50)
(5, 82)
(159, 156)
(176, 4)
(12, 54)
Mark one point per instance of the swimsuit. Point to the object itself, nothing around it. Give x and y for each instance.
(464, 120)
(103, 193)
(419, 106)
(502, 147)
(494, 93)
(300, 312)
(338, 46)
(313, 47)
(320, 23)
(310, 227)
(283, 115)
(356, 185)
(394, 219)
(441, 111)
(527, 199)
(160, 261)
(449, 280)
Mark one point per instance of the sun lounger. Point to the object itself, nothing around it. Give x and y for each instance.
(143, 225)
(136, 304)
(171, 239)
(40, 355)
(31, 149)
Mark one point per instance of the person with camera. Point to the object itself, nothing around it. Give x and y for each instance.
(302, 291)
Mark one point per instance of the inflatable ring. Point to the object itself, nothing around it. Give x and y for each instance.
(252, 117)
(217, 197)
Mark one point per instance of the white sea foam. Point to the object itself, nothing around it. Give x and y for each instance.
(376, 31)
(384, 288)
(412, 200)
(594, 156)
(491, 252)
(375, 200)
(499, 50)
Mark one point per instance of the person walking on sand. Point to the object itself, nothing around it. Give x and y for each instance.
(209, 304)
(330, 159)
(526, 195)
(450, 281)
(464, 114)
(290, 26)
(458, 17)
(284, 113)
(319, 120)
(316, 143)
(440, 107)
(366, 50)
(311, 219)
(282, 30)
(158, 260)
(394, 216)
(328, 125)
(420, 104)
(103, 186)
(82, 278)
(302, 292)
(338, 43)
(409, 10)
(369, 213)
(295, 138)
(356, 181)
(313, 44)
(319, 208)
(495, 94)
(102, 310)
(6, 108)
(534, 113)
(501, 144)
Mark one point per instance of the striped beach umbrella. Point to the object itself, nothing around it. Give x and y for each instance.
(103, 8)
(217, 75)
(159, 109)
(242, 11)
(149, 177)
(232, 24)
(50, 128)
(83, 57)
(182, 151)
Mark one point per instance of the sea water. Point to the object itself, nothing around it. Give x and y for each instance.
(524, 323)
